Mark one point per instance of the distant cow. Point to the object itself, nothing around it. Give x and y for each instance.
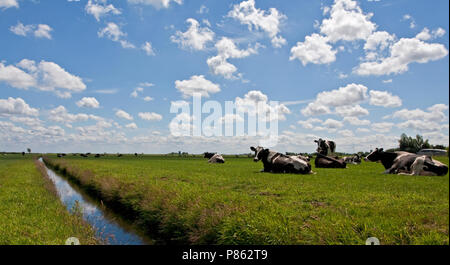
(356, 159)
(97, 155)
(119, 155)
(323, 161)
(214, 158)
(325, 147)
(280, 163)
(404, 162)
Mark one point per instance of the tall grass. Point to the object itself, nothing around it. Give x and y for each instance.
(30, 211)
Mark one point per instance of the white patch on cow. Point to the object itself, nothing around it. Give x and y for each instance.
(271, 156)
(417, 168)
(299, 163)
(401, 156)
(276, 158)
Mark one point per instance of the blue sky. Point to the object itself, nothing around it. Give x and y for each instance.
(100, 75)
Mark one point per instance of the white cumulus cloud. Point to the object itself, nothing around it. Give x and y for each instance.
(255, 18)
(16, 106)
(315, 49)
(5, 4)
(46, 76)
(99, 8)
(385, 99)
(402, 53)
(88, 102)
(124, 115)
(227, 49)
(39, 31)
(196, 84)
(347, 22)
(195, 37)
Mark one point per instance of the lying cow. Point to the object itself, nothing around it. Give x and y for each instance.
(280, 163)
(403, 162)
(325, 147)
(356, 159)
(323, 161)
(214, 158)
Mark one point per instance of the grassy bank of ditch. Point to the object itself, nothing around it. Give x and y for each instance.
(30, 211)
(187, 200)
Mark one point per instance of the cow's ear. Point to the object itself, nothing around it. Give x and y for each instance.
(266, 150)
(381, 149)
(316, 141)
(252, 148)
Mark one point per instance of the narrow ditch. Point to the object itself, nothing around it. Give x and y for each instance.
(110, 228)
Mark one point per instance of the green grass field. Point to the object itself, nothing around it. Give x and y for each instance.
(187, 200)
(30, 212)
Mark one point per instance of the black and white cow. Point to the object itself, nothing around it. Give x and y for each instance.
(325, 147)
(355, 159)
(280, 163)
(404, 162)
(214, 158)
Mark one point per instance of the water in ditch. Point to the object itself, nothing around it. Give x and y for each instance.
(110, 228)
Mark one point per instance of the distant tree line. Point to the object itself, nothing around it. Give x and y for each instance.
(414, 145)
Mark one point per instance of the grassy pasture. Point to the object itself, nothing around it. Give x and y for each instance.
(187, 200)
(30, 212)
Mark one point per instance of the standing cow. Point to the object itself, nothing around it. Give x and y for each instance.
(325, 147)
(280, 163)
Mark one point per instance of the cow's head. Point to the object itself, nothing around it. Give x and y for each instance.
(375, 155)
(208, 155)
(321, 146)
(260, 153)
